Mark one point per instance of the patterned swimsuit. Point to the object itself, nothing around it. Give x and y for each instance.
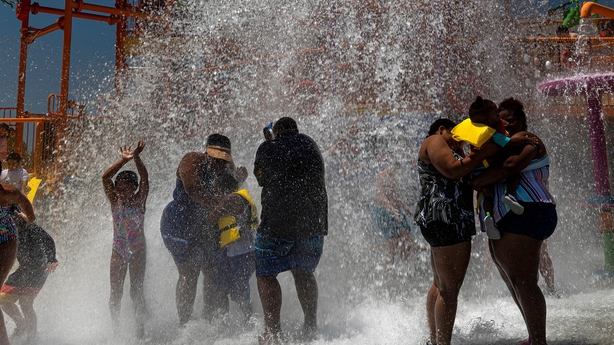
(8, 230)
(444, 200)
(128, 230)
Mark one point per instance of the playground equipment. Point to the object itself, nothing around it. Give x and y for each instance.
(46, 135)
(310, 80)
(593, 87)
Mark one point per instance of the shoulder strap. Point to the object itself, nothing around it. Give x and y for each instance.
(253, 216)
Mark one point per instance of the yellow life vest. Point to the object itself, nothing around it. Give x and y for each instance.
(476, 134)
(227, 224)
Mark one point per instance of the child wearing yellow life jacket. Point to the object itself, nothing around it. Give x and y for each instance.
(483, 125)
(237, 220)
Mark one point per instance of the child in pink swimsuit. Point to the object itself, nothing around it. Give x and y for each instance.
(128, 196)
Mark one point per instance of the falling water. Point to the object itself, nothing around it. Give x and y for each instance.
(364, 79)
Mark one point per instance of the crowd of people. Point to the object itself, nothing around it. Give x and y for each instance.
(213, 227)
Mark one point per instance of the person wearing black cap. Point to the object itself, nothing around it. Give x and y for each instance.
(294, 221)
(191, 241)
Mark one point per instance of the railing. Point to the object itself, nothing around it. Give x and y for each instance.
(34, 136)
(26, 138)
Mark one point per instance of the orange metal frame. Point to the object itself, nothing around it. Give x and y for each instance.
(592, 7)
(58, 105)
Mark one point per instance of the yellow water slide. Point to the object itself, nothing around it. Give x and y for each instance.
(33, 183)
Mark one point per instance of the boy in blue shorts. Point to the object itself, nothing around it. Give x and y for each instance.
(237, 219)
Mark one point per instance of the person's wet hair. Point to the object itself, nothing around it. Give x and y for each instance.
(285, 126)
(446, 123)
(480, 108)
(517, 109)
(129, 176)
(562, 29)
(14, 157)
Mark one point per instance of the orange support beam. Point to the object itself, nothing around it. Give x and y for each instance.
(592, 7)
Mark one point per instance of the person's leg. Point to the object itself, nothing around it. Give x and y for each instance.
(137, 277)
(8, 250)
(431, 300)
(118, 270)
(242, 268)
(518, 257)
(31, 322)
(504, 276)
(307, 291)
(306, 255)
(272, 257)
(450, 264)
(244, 301)
(9, 306)
(215, 298)
(270, 296)
(185, 292)
(545, 267)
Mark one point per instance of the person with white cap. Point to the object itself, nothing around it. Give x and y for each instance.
(192, 242)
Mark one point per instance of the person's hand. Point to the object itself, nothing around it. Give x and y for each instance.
(51, 267)
(23, 216)
(139, 148)
(396, 213)
(532, 140)
(267, 133)
(241, 174)
(127, 153)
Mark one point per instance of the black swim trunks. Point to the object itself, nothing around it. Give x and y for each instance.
(537, 221)
(440, 234)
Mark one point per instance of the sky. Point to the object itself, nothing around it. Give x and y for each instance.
(92, 58)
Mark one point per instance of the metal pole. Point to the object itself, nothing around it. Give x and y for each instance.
(600, 171)
(120, 57)
(23, 13)
(64, 86)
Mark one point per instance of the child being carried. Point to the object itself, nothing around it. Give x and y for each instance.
(483, 125)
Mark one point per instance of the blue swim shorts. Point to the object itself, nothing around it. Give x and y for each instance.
(233, 276)
(276, 255)
(389, 224)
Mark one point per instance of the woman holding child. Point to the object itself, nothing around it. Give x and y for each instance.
(517, 253)
(446, 218)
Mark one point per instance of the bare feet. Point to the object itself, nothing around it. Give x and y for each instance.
(269, 339)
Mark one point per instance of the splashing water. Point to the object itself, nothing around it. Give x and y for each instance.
(364, 79)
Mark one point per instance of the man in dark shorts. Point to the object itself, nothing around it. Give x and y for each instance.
(193, 243)
(294, 221)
